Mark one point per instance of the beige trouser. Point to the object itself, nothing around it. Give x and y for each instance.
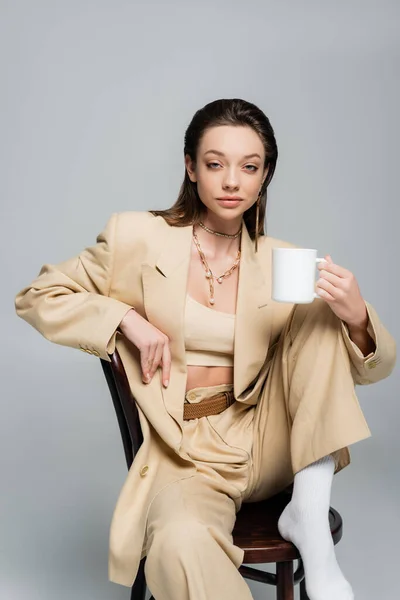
(306, 409)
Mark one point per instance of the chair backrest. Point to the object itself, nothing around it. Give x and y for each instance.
(124, 404)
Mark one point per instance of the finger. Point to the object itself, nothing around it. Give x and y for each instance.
(325, 295)
(327, 290)
(331, 278)
(166, 364)
(146, 360)
(156, 359)
(335, 269)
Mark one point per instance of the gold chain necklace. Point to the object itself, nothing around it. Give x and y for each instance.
(232, 236)
(209, 273)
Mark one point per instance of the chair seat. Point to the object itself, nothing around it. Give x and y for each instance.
(256, 530)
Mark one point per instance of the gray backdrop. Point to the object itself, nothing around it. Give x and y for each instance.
(95, 98)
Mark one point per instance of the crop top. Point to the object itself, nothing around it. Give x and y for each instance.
(209, 335)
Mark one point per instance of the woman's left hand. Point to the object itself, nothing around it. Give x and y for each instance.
(339, 288)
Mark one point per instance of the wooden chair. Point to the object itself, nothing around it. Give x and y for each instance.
(255, 530)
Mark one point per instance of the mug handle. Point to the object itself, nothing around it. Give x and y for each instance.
(317, 261)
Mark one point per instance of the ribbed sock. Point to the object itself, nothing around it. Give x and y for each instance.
(305, 522)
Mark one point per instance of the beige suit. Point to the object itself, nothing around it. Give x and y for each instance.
(139, 261)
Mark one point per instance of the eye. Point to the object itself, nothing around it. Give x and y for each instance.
(252, 169)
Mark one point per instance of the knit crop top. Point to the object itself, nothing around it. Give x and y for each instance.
(209, 335)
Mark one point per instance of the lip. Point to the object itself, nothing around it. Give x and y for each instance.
(228, 203)
(229, 198)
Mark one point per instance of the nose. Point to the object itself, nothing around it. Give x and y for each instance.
(231, 180)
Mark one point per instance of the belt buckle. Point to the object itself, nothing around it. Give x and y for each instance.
(228, 398)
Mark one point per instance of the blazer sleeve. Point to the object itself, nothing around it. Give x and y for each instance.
(376, 365)
(70, 304)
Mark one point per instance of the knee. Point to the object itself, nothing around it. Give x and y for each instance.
(316, 308)
(176, 539)
(317, 314)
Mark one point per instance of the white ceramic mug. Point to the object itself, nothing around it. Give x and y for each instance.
(293, 274)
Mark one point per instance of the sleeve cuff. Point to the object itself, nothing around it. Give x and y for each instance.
(101, 343)
(354, 351)
(376, 365)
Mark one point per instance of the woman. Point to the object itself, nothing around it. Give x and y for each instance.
(238, 396)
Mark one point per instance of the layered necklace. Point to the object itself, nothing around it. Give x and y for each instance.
(209, 274)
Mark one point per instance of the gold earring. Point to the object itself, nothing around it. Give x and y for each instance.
(257, 219)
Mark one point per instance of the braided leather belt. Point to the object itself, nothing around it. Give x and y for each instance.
(209, 406)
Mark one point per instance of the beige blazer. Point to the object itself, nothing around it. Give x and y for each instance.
(140, 261)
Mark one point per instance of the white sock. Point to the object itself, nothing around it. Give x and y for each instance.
(305, 523)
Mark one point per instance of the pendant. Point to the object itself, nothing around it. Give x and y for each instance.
(208, 274)
(212, 301)
(220, 279)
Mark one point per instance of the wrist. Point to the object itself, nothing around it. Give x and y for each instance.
(361, 324)
(126, 320)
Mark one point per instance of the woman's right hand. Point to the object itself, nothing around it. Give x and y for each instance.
(152, 344)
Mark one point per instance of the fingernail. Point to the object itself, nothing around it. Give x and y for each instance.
(166, 382)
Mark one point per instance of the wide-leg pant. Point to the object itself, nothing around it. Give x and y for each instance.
(307, 408)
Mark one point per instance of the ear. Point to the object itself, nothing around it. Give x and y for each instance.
(189, 164)
(265, 174)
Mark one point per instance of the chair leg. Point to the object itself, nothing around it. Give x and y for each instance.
(284, 581)
(303, 593)
(139, 586)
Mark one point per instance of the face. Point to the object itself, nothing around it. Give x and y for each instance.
(230, 162)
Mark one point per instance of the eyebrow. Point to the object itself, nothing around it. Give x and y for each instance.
(222, 154)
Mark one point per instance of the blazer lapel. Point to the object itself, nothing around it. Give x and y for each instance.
(253, 312)
(164, 289)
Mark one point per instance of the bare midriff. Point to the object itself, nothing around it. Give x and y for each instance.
(225, 301)
(199, 376)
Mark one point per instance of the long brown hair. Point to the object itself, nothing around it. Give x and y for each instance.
(188, 207)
